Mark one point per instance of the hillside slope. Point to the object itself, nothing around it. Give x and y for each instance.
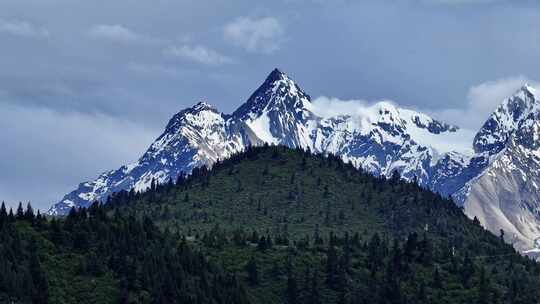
(296, 225)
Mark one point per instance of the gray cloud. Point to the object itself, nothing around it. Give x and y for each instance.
(22, 29)
(47, 153)
(152, 69)
(255, 34)
(121, 34)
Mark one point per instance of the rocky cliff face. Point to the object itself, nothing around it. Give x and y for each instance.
(505, 194)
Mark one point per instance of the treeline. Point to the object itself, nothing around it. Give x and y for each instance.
(136, 262)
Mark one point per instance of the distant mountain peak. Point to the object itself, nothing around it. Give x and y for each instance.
(195, 115)
(507, 118)
(277, 93)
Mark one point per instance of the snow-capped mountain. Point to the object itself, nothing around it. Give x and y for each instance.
(194, 137)
(381, 138)
(496, 179)
(506, 193)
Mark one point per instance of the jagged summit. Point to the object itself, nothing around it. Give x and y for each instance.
(379, 138)
(277, 92)
(275, 75)
(197, 114)
(506, 119)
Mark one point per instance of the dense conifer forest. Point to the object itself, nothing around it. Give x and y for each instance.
(95, 257)
(270, 225)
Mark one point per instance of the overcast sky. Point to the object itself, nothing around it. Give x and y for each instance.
(85, 86)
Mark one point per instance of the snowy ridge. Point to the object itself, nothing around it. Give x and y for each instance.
(379, 138)
(495, 175)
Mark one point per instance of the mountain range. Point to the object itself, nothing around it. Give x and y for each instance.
(495, 180)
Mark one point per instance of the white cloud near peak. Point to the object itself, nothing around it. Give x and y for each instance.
(262, 35)
(363, 113)
(482, 100)
(325, 106)
(198, 54)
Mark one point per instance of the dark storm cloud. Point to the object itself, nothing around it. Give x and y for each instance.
(98, 73)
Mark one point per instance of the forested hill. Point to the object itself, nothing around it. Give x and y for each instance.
(270, 225)
(306, 228)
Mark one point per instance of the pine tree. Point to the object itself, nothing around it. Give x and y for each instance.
(29, 213)
(426, 250)
(326, 191)
(253, 272)
(395, 178)
(331, 266)
(40, 292)
(374, 253)
(421, 293)
(437, 281)
(11, 217)
(484, 294)
(292, 288)
(317, 235)
(391, 286)
(254, 239)
(262, 244)
(410, 246)
(467, 270)
(396, 258)
(303, 165)
(153, 184)
(20, 212)
(314, 295)
(3, 214)
(327, 214)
